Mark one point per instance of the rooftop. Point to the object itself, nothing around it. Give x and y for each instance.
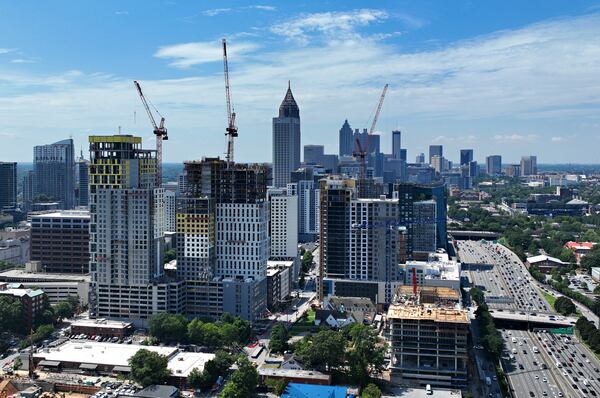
(98, 353)
(580, 245)
(428, 313)
(293, 373)
(101, 323)
(296, 390)
(543, 257)
(22, 274)
(421, 393)
(182, 364)
(85, 214)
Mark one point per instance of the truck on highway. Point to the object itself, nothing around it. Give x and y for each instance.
(535, 350)
(488, 381)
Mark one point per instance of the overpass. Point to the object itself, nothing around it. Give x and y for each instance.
(473, 235)
(527, 320)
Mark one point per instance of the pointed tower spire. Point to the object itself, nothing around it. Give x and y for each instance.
(289, 107)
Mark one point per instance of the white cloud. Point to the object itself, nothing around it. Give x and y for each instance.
(22, 61)
(331, 24)
(121, 12)
(557, 139)
(516, 138)
(189, 54)
(215, 11)
(500, 84)
(264, 7)
(6, 50)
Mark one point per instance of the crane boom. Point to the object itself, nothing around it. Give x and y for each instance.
(159, 131)
(360, 152)
(231, 130)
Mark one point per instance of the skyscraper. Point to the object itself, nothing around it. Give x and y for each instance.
(466, 156)
(313, 154)
(286, 140)
(346, 140)
(435, 150)
(81, 181)
(493, 164)
(283, 223)
(222, 238)
(54, 168)
(397, 144)
(8, 185)
(528, 165)
(420, 159)
(126, 232)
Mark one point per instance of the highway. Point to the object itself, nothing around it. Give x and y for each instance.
(505, 281)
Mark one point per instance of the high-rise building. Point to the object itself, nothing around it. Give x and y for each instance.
(8, 185)
(424, 238)
(403, 155)
(396, 144)
(437, 162)
(306, 186)
(493, 165)
(283, 224)
(222, 239)
(313, 154)
(81, 182)
(54, 168)
(528, 165)
(126, 233)
(374, 141)
(286, 140)
(428, 342)
(346, 140)
(420, 159)
(466, 156)
(170, 211)
(513, 170)
(60, 241)
(435, 150)
(28, 189)
(408, 194)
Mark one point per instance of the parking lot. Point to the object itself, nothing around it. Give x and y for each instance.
(502, 276)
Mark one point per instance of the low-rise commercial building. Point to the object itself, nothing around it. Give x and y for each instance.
(102, 327)
(545, 263)
(32, 300)
(57, 287)
(279, 282)
(580, 249)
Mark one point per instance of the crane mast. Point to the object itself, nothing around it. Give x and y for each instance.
(231, 130)
(360, 152)
(159, 131)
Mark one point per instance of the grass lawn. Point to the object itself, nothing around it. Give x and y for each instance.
(549, 298)
(304, 324)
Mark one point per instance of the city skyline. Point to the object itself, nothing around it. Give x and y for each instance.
(477, 86)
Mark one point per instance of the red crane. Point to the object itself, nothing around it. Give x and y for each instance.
(231, 130)
(160, 131)
(360, 152)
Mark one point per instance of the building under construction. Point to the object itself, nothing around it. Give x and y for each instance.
(428, 333)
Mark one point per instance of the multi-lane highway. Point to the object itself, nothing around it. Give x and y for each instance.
(503, 278)
(560, 366)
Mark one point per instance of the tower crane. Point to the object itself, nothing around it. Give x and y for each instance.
(231, 130)
(160, 131)
(360, 152)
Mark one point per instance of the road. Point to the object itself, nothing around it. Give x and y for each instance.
(505, 281)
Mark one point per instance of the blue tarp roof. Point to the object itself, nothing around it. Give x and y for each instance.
(296, 390)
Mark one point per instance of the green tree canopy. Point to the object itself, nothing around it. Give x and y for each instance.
(365, 353)
(371, 391)
(279, 338)
(148, 367)
(564, 305)
(12, 315)
(168, 327)
(243, 381)
(323, 351)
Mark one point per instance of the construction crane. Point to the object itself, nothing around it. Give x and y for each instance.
(360, 152)
(231, 130)
(160, 131)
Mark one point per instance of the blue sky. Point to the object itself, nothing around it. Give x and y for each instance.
(502, 77)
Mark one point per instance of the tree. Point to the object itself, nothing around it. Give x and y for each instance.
(168, 327)
(477, 295)
(12, 315)
(243, 381)
(365, 353)
(278, 386)
(198, 379)
(564, 305)
(170, 255)
(64, 309)
(279, 338)
(371, 391)
(148, 367)
(18, 363)
(212, 335)
(323, 351)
